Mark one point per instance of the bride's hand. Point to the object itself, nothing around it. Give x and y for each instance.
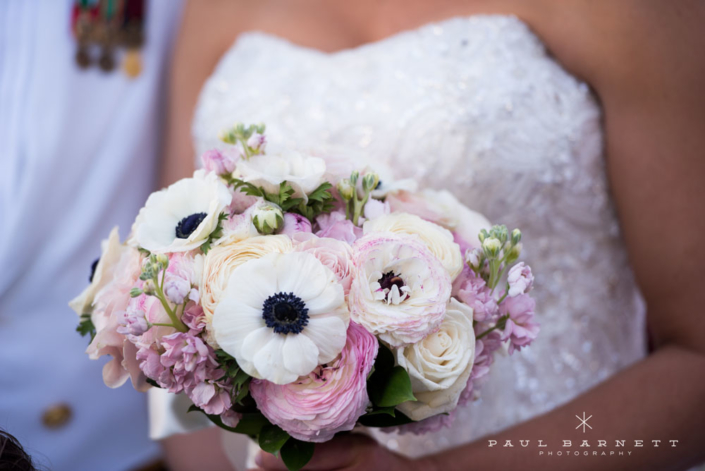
(349, 453)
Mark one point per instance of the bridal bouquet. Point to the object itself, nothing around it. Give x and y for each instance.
(292, 297)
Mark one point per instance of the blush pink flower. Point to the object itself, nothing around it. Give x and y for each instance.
(327, 401)
(332, 253)
(191, 362)
(219, 162)
(295, 223)
(336, 226)
(474, 292)
(521, 328)
(520, 279)
(211, 397)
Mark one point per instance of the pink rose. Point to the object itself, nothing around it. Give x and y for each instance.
(219, 162)
(294, 223)
(327, 401)
(336, 226)
(332, 253)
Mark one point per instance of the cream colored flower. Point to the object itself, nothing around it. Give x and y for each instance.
(437, 239)
(440, 365)
(442, 208)
(220, 262)
(112, 250)
(304, 173)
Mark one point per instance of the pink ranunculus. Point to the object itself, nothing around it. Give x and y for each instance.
(295, 223)
(327, 401)
(211, 397)
(521, 328)
(336, 226)
(520, 279)
(219, 162)
(332, 253)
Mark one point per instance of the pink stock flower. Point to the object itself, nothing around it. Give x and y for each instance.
(230, 418)
(219, 162)
(191, 362)
(194, 318)
(295, 223)
(183, 272)
(132, 322)
(484, 357)
(327, 401)
(520, 279)
(521, 328)
(211, 397)
(474, 292)
(257, 142)
(332, 253)
(375, 208)
(336, 226)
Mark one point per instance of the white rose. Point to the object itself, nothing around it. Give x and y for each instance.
(440, 365)
(304, 173)
(438, 239)
(221, 261)
(444, 209)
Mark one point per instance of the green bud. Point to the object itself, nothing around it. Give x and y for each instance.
(369, 181)
(163, 260)
(514, 253)
(491, 246)
(483, 235)
(148, 288)
(134, 292)
(354, 176)
(268, 218)
(346, 189)
(516, 236)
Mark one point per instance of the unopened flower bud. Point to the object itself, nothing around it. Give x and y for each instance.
(491, 246)
(256, 142)
(219, 162)
(514, 254)
(148, 288)
(483, 235)
(134, 292)
(346, 189)
(369, 181)
(267, 218)
(516, 236)
(473, 258)
(354, 176)
(163, 260)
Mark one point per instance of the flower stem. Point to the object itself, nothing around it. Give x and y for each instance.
(177, 324)
(501, 323)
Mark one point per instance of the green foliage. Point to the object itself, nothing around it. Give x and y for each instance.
(153, 383)
(319, 201)
(241, 380)
(86, 327)
(216, 234)
(388, 386)
(272, 438)
(296, 453)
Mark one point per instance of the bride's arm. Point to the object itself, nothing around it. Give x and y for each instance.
(645, 62)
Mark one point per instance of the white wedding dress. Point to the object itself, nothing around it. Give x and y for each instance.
(476, 106)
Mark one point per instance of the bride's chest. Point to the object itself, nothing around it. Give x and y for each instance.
(474, 105)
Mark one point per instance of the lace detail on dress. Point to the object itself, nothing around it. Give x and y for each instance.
(477, 106)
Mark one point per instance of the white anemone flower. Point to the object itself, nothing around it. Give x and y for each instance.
(304, 173)
(281, 316)
(181, 217)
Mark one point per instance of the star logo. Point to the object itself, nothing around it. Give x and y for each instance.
(583, 422)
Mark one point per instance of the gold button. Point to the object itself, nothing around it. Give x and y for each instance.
(57, 416)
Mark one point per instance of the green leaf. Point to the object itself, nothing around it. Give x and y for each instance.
(384, 420)
(86, 327)
(216, 234)
(296, 454)
(251, 423)
(272, 438)
(392, 389)
(382, 410)
(153, 383)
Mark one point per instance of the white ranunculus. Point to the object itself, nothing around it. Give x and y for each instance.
(304, 173)
(399, 290)
(221, 261)
(440, 365)
(281, 316)
(181, 217)
(444, 209)
(438, 239)
(111, 251)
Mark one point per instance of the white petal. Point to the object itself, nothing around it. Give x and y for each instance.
(329, 334)
(300, 354)
(254, 342)
(233, 321)
(302, 274)
(269, 361)
(254, 281)
(329, 299)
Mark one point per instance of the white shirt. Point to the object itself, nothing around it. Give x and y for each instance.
(78, 155)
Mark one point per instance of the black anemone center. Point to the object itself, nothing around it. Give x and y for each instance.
(286, 313)
(390, 279)
(94, 265)
(189, 224)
